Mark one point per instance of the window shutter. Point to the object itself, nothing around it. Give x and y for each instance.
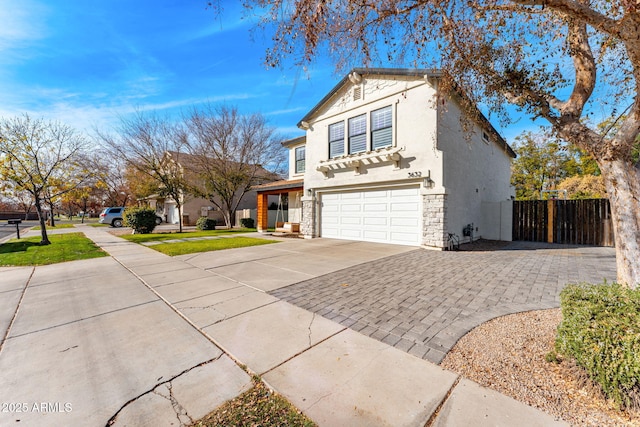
(358, 134)
(336, 139)
(381, 128)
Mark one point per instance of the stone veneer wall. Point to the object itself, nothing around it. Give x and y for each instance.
(434, 224)
(307, 226)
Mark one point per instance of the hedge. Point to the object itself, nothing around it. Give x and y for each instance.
(142, 220)
(205, 223)
(601, 330)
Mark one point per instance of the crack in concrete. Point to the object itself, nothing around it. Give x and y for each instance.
(153, 389)
(180, 410)
(309, 328)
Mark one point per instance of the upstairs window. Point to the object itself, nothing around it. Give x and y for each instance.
(336, 139)
(381, 128)
(358, 134)
(300, 158)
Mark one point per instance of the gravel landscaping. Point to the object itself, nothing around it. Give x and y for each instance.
(507, 354)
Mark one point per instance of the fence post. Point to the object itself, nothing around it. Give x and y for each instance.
(550, 220)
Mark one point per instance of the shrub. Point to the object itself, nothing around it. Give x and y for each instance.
(601, 330)
(142, 220)
(247, 222)
(205, 223)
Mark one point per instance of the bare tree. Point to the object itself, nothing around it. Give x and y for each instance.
(143, 143)
(41, 158)
(552, 59)
(230, 153)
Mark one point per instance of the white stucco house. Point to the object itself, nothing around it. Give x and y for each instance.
(385, 159)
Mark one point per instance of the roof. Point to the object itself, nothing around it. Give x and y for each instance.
(284, 184)
(295, 141)
(192, 160)
(407, 72)
(428, 73)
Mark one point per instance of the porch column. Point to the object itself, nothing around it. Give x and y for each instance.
(262, 215)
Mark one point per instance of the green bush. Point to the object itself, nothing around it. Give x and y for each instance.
(601, 330)
(205, 223)
(142, 220)
(247, 222)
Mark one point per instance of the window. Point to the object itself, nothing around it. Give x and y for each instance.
(358, 134)
(300, 157)
(381, 128)
(336, 139)
(485, 137)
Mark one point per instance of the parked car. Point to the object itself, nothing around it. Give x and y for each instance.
(113, 216)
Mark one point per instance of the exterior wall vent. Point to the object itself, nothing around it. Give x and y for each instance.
(357, 93)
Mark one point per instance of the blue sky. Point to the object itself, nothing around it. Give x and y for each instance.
(88, 63)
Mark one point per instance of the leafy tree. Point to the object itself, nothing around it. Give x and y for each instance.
(227, 153)
(541, 164)
(544, 161)
(41, 158)
(552, 59)
(138, 184)
(142, 143)
(584, 187)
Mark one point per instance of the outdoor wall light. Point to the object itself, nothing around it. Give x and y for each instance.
(309, 192)
(428, 182)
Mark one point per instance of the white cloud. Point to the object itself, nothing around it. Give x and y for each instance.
(22, 23)
(285, 111)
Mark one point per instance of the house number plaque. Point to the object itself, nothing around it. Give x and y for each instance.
(416, 174)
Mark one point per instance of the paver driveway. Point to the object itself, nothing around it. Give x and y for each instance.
(424, 301)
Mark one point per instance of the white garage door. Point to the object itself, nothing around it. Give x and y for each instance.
(388, 215)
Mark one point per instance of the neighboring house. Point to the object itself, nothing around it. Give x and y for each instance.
(385, 159)
(193, 207)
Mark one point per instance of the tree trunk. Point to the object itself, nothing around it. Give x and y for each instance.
(622, 180)
(44, 239)
(179, 206)
(53, 220)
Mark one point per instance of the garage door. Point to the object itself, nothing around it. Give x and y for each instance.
(388, 215)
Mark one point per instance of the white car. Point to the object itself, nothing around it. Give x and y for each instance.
(113, 216)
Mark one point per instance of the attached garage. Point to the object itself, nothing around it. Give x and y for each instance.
(385, 215)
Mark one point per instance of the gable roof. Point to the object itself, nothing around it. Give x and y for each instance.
(185, 158)
(423, 73)
(295, 141)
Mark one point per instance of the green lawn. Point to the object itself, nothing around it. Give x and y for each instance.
(58, 226)
(153, 237)
(182, 248)
(63, 247)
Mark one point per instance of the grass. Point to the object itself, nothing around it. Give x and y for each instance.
(156, 237)
(190, 247)
(256, 407)
(63, 248)
(58, 226)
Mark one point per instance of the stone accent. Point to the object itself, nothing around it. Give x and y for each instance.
(307, 226)
(434, 224)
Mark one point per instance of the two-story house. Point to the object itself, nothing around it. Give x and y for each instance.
(386, 158)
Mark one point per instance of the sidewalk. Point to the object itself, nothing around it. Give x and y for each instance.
(183, 321)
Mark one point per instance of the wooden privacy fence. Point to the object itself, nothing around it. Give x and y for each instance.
(579, 222)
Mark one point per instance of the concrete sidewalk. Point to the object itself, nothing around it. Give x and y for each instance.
(141, 338)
